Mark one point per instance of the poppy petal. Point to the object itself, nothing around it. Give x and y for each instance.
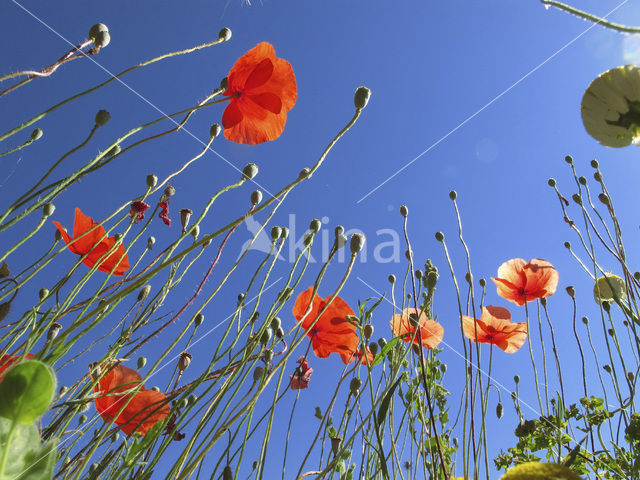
(232, 115)
(268, 101)
(260, 75)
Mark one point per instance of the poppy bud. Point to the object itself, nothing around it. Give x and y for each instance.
(419, 274)
(339, 230)
(225, 34)
(142, 361)
(152, 180)
(315, 225)
(207, 241)
(143, 293)
(102, 39)
(551, 182)
(113, 151)
(357, 242)
(516, 379)
(256, 197)
(361, 98)
(195, 231)
(254, 465)
(279, 333)
(308, 239)
(54, 329)
(198, 319)
(285, 233)
(606, 306)
(611, 331)
(443, 368)
(97, 28)
(499, 410)
(81, 419)
(571, 291)
(276, 232)
(215, 130)
(440, 236)
(373, 348)
(382, 342)
(453, 194)
(468, 277)
(62, 392)
(43, 293)
(118, 237)
(582, 180)
(169, 191)
(254, 317)
(392, 279)
(268, 356)
(567, 245)
(607, 368)
(276, 323)
(192, 399)
(224, 83)
(150, 242)
(304, 173)
(603, 198)
(404, 211)
(184, 361)
(155, 388)
(354, 386)
(48, 209)
(577, 198)
(249, 171)
(185, 216)
(482, 282)
(36, 135)
(367, 331)
(630, 376)
(241, 297)
(266, 336)
(102, 118)
(341, 241)
(585, 320)
(336, 442)
(257, 374)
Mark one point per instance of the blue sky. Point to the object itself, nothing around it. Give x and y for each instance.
(481, 97)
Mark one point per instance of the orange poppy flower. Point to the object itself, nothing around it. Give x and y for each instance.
(401, 326)
(94, 245)
(262, 90)
(6, 362)
(143, 409)
(350, 357)
(332, 332)
(495, 327)
(521, 282)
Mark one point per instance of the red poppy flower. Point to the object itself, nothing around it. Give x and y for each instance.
(495, 327)
(262, 90)
(94, 245)
(137, 210)
(332, 332)
(521, 282)
(143, 409)
(301, 377)
(6, 362)
(350, 357)
(402, 325)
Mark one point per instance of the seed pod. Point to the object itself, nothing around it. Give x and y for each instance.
(341, 241)
(249, 171)
(361, 97)
(224, 83)
(453, 194)
(97, 28)
(607, 368)
(357, 243)
(336, 442)
(82, 419)
(516, 379)
(551, 182)
(315, 225)
(304, 173)
(276, 232)
(195, 231)
(268, 356)
(382, 342)
(279, 333)
(192, 399)
(185, 216)
(284, 233)
(152, 180)
(184, 361)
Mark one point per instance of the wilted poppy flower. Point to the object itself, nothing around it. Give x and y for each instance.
(495, 327)
(521, 282)
(164, 213)
(262, 90)
(94, 245)
(402, 325)
(301, 377)
(7, 361)
(610, 107)
(332, 332)
(137, 210)
(143, 409)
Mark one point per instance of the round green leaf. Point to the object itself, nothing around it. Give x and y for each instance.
(26, 391)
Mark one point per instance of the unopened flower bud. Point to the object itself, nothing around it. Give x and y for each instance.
(279, 333)
(419, 274)
(192, 399)
(225, 34)
(315, 225)
(266, 336)
(43, 293)
(276, 232)
(143, 293)
(404, 211)
(249, 171)
(516, 379)
(102, 39)
(440, 236)
(268, 356)
(304, 173)
(597, 177)
(155, 388)
(184, 361)
(341, 241)
(207, 241)
(142, 361)
(603, 198)
(382, 342)
(195, 231)
(169, 191)
(355, 385)
(582, 180)
(367, 331)
(185, 216)
(392, 279)
(215, 130)
(241, 297)
(373, 348)
(607, 368)
(577, 198)
(569, 159)
(482, 282)
(606, 306)
(152, 180)
(453, 194)
(62, 392)
(198, 319)
(36, 135)
(102, 118)
(499, 410)
(551, 182)
(276, 323)
(585, 320)
(361, 98)
(118, 237)
(54, 329)
(257, 374)
(113, 151)
(630, 376)
(339, 230)
(82, 418)
(97, 28)
(284, 233)
(224, 83)
(256, 197)
(150, 242)
(468, 277)
(571, 291)
(357, 243)
(48, 209)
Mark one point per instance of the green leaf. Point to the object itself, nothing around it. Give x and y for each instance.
(384, 404)
(387, 348)
(26, 391)
(27, 460)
